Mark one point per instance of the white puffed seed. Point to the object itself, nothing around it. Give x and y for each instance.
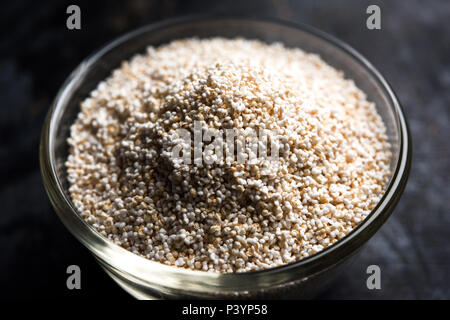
(226, 217)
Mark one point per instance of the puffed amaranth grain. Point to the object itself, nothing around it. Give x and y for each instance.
(227, 216)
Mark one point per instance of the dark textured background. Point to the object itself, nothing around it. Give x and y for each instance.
(37, 53)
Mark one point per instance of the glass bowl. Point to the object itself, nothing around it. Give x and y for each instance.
(147, 279)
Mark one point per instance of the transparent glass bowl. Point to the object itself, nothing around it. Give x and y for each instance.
(147, 279)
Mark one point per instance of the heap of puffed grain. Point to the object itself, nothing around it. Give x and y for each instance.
(226, 216)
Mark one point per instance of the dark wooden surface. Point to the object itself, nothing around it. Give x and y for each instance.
(37, 53)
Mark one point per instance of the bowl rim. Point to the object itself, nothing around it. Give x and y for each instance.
(106, 250)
